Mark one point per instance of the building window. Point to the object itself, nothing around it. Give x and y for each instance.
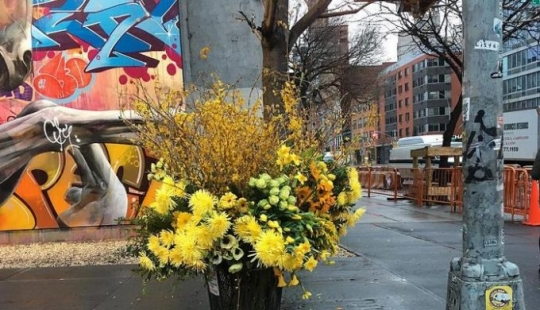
(406, 86)
(400, 118)
(406, 71)
(406, 102)
(400, 89)
(407, 131)
(399, 104)
(400, 133)
(407, 117)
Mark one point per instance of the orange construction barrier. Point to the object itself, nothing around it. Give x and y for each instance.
(534, 209)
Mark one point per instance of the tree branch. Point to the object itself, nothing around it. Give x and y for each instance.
(306, 20)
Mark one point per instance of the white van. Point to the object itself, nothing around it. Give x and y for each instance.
(401, 153)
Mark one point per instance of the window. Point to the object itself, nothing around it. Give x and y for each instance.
(406, 71)
(400, 89)
(407, 132)
(400, 133)
(406, 102)
(399, 104)
(407, 117)
(400, 119)
(406, 86)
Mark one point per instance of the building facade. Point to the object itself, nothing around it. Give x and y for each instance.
(521, 78)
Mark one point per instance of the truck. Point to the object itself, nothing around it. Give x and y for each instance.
(521, 138)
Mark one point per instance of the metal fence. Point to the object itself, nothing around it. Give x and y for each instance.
(442, 186)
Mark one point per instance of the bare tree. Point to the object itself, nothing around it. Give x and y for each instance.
(439, 33)
(278, 37)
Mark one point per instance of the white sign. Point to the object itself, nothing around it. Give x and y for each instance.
(520, 134)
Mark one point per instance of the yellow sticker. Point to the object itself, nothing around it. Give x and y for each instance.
(499, 298)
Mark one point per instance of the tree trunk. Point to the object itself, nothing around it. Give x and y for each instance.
(275, 59)
(450, 128)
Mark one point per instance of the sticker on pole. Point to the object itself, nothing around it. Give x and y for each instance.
(466, 106)
(499, 298)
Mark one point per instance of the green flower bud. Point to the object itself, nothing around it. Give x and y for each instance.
(260, 183)
(228, 242)
(274, 191)
(274, 200)
(274, 183)
(291, 200)
(284, 194)
(252, 182)
(266, 177)
(262, 203)
(217, 259)
(283, 205)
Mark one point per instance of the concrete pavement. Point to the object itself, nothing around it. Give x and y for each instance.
(403, 259)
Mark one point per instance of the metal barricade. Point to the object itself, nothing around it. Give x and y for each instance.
(443, 186)
(379, 180)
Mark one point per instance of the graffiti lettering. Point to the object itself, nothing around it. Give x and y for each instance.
(59, 135)
(23, 92)
(120, 30)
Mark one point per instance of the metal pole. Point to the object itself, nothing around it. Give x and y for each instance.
(482, 278)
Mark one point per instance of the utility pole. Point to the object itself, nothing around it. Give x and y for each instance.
(482, 279)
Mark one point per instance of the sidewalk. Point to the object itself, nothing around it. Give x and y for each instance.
(404, 255)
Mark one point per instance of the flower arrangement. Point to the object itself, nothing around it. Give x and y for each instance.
(236, 191)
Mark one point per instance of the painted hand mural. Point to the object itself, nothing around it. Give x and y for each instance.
(66, 158)
(15, 43)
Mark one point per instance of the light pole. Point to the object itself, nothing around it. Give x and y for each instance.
(482, 279)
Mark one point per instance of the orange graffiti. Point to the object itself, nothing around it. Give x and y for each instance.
(41, 193)
(60, 79)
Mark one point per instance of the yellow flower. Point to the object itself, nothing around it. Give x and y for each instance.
(175, 257)
(166, 237)
(145, 262)
(227, 201)
(204, 236)
(281, 281)
(301, 178)
(273, 224)
(218, 224)
(303, 248)
(269, 248)
(203, 53)
(291, 262)
(294, 281)
(354, 184)
(201, 202)
(342, 199)
(247, 228)
(163, 201)
(153, 243)
(180, 219)
(306, 295)
(162, 254)
(263, 218)
(242, 205)
(310, 264)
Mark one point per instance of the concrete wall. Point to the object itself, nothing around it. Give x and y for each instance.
(235, 52)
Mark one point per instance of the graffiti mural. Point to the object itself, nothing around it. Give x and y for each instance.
(66, 157)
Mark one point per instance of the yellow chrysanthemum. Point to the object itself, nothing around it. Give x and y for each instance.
(203, 235)
(180, 219)
(227, 201)
(153, 243)
(188, 247)
(175, 257)
(145, 262)
(218, 224)
(162, 255)
(166, 237)
(354, 184)
(179, 189)
(342, 199)
(201, 202)
(247, 228)
(310, 264)
(269, 248)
